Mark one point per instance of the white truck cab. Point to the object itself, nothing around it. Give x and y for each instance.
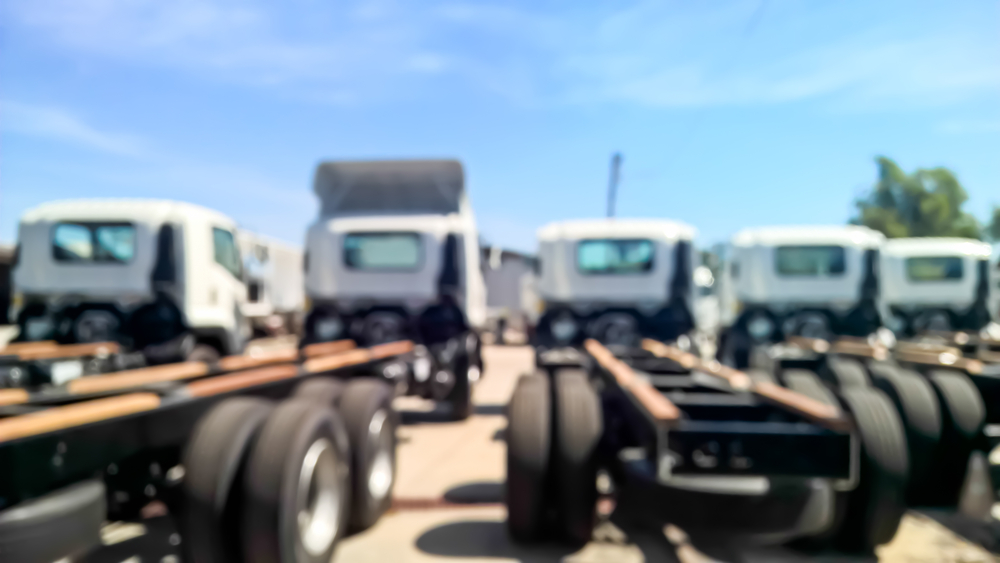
(395, 255)
(615, 280)
(815, 281)
(160, 277)
(936, 284)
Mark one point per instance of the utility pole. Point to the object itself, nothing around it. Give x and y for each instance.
(616, 163)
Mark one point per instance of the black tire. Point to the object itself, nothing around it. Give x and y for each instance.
(735, 349)
(214, 460)
(460, 396)
(529, 437)
(918, 410)
(809, 384)
(876, 506)
(323, 390)
(577, 428)
(203, 353)
(846, 372)
(61, 524)
(366, 408)
(298, 434)
(963, 415)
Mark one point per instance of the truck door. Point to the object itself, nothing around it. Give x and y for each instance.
(228, 286)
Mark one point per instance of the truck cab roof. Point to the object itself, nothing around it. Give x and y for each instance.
(841, 235)
(655, 229)
(937, 246)
(149, 211)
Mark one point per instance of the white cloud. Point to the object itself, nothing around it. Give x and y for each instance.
(661, 54)
(60, 125)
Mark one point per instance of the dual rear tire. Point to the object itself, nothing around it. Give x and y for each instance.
(869, 514)
(553, 430)
(281, 483)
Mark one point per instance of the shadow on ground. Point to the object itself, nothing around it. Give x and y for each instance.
(482, 492)
(484, 538)
(442, 413)
(489, 539)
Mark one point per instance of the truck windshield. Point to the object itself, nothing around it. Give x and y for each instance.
(93, 242)
(810, 260)
(934, 268)
(382, 251)
(614, 256)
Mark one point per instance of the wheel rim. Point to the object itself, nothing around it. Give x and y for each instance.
(318, 498)
(380, 477)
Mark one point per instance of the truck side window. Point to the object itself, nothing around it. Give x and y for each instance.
(226, 253)
(93, 242)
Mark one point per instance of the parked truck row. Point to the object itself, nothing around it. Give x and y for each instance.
(853, 378)
(821, 381)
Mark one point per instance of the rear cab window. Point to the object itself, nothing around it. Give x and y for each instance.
(614, 256)
(93, 242)
(810, 261)
(935, 268)
(226, 252)
(391, 251)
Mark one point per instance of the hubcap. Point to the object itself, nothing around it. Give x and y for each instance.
(380, 477)
(318, 498)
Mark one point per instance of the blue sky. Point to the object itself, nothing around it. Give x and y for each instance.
(729, 114)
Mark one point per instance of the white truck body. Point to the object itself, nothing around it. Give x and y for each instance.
(755, 276)
(615, 280)
(926, 274)
(392, 206)
(562, 281)
(107, 251)
(274, 277)
(814, 281)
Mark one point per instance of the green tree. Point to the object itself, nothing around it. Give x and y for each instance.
(926, 203)
(993, 229)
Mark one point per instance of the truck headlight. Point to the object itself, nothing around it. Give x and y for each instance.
(329, 328)
(760, 327)
(564, 328)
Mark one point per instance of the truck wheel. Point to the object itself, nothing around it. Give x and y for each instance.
(735, 349)
(203, 353)
(876, 506)
(846, 372)
(809, 384)
(963, 415)
(917, 406)
(529, 435)
(297, 485)
(213, 461)
(323, 390)
(62, 524)
(578, 425)
(460, 397)
(366, 407)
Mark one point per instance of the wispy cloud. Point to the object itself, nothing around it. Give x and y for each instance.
(60, 125)
(661, 54)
